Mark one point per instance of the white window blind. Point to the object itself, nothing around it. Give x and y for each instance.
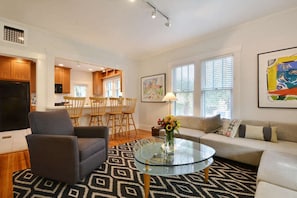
(217, 86)
(183, 87)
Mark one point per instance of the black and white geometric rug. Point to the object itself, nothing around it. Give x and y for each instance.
(118, 177)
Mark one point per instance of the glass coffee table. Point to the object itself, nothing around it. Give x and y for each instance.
(188, 157)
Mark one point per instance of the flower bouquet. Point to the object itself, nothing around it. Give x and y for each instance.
(170, 124)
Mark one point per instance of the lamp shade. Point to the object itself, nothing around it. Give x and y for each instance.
(169, 97)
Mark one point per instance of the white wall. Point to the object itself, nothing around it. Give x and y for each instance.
(246, 41)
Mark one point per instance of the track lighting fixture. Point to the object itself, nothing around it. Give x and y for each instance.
(155, 11)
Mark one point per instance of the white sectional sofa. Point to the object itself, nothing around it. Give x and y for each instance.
(277, 160)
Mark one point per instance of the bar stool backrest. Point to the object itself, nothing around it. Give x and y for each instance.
(130, 105)
(116, 105)
(74, 105)
(98, 105)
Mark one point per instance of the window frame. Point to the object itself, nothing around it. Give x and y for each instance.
(190, 88)
(80, 85)
(116, 86)
(231, 88)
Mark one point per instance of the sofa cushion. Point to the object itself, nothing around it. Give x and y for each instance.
(211, 124)
(190, 134)
(191, 122)
(285, 131)
(278, 168)
(247, 151)
(267, 190)
(282, 146)
(256, 123)
(229, 127)
(257, 132)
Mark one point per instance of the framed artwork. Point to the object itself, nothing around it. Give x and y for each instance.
(153, 88)
(277, 78)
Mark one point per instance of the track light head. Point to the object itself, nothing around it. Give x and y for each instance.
(168, 24)
(154, 13)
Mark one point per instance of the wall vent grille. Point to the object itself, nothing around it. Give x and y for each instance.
(14, 35)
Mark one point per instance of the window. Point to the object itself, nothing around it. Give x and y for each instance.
(183, 87)
(80, 90)
(217, 86)
(112, 87)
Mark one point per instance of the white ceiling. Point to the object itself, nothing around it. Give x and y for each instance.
(127, 29)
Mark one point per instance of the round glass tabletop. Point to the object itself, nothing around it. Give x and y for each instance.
(188, 156)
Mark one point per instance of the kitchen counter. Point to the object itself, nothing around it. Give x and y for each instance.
(84, 120)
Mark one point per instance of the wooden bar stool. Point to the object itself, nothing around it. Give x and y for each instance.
(128, 110)
(74, 107)
(115, 115)
(98, 106)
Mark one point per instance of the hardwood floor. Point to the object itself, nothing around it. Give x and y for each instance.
(12, 162)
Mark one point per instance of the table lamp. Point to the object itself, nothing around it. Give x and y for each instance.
(169, 97)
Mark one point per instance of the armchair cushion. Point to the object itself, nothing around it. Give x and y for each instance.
(89, 146)
(51, 122)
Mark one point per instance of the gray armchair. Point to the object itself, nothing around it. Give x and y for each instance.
(62, 152)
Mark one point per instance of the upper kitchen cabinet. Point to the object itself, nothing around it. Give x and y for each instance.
(97, 83)
(100, 76)
(62, 76)
(20, 70)
(15, 69)
(5, 68)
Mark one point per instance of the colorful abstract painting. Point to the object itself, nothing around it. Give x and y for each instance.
(277, 75)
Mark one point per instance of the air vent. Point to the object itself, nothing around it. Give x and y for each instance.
(14, 35)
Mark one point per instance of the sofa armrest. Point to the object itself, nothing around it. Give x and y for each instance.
(54, 156)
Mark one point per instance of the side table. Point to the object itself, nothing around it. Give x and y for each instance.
(156, 130)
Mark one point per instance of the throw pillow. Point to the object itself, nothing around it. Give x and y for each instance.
(211, 124)
(225, 124)
(229, 127)
(258, 132)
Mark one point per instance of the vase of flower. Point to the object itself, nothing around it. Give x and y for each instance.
(169, 142)
(170, 124)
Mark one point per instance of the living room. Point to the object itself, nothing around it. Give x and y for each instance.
(245, 41)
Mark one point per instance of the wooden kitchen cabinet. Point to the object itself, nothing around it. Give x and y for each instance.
(97, 84)
(62, 76)
(14, 69)
(99, 76)
(20, 70)
(33, 78)
(66, 80)
(59, 75)
(5, 68)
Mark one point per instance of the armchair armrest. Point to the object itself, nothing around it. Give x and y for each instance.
(54, 156)
(92, 132)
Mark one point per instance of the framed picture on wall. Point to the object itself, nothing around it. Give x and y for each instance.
(277, 78)
(153, 88)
